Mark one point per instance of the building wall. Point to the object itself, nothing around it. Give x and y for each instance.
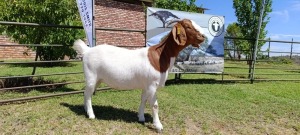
(13, 52)
(121, 15)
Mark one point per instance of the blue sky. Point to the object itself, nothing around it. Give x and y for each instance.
(284, 22)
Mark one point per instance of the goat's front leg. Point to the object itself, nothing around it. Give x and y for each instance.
(154, 106)
(151, 96)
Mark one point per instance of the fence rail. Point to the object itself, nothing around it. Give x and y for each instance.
(42, 85)
(265, 40)
(46, 96)
(34, 62)
(26, 76)
(33, 45)
(67, 26)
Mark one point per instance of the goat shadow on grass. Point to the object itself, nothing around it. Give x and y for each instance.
(109, 113)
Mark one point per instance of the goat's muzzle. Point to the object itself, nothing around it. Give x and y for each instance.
(200, 39)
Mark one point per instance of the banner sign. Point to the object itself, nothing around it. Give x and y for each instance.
(85, 8)
(208, 58)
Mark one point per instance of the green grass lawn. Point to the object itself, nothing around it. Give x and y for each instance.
(260, 108)
(190, 106)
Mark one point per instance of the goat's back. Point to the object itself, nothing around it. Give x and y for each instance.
(108, 54)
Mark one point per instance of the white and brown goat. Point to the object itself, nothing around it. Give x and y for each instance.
(145, 68)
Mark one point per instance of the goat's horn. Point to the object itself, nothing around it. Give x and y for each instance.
(171, 22)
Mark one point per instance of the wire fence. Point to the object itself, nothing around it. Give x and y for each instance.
(270, 65)
(236, 69)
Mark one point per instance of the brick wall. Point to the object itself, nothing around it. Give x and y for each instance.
(14, 52)
(116, 14)
(108, 14)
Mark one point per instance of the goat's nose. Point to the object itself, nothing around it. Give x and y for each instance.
(202, 35)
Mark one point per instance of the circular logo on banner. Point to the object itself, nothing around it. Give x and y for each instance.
(215, 26)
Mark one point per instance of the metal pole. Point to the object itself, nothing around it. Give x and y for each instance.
(269, 48)
(93, 25)
(222, 77)
(234, 49)
(256, 42)
(93, 29)
(291, 49)
(35, 59)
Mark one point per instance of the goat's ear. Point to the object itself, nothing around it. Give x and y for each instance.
(179, 34)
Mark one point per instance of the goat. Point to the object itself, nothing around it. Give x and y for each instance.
(144, 68)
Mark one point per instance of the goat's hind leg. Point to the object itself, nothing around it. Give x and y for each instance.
(89, 90)
(141, 114)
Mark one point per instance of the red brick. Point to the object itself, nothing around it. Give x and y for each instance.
(108, 14)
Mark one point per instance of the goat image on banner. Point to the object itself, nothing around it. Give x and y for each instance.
(208, 58)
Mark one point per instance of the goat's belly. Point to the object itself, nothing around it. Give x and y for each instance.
(134, 82)
(123, 85)
(128, 79)
(122, 79)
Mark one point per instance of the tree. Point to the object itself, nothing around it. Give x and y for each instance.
(248, 13)
(52, 12)
(236, 46)
(181, 5)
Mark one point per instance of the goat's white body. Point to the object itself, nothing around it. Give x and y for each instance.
(121, 68)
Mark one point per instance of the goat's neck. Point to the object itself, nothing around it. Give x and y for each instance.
(160, 54)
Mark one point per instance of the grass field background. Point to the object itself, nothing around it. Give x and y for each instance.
(194, 105)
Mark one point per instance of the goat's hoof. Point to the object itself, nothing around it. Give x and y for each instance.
(141, 122)
(91, 116)
(159, 131)
(141, 118)
(158, 127)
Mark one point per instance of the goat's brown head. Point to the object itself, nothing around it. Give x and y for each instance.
(187, 32)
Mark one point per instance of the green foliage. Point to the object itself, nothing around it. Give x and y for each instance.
(233, 30)
(181, 5)
(296, 59)
(52, 12)
(280, 60)
(248, 13)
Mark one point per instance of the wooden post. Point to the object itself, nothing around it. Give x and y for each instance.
(37, 53)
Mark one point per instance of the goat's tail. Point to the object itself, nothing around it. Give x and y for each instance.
(80, 46)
